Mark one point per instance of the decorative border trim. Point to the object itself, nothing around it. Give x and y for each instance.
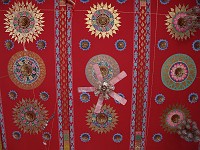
(134, 72)
(58, 88)
(3, 133)
(147, 69)
(70, 78)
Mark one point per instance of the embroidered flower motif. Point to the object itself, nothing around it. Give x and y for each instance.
(160, 98)
(193, 98)
(157, 137)
(41, 44)
(9, 44)
(12, 95)
(196, 45)
(120, 45)
(44, 96)
(84, 44)
(16, 135)
(162, 44)
(85, 97)
(179, 71)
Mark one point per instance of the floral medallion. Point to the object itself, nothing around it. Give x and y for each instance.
(12, 95)
(85, 97)
(176, 24)
(120, 45)
(178, 72)
(193, 98)
(16, 135)
(30, 116)
(160, 98)
(26, 70)
(102, 122)
(108, 66)
(196, 45)
(41, 44)
(44, 96)
(164, 2)
(117, 138)
(173, 116)
(162, 44)
(102, 20)
(24, 22)
(9, 44)
(157, 137)
(84, 44)
(85, 137)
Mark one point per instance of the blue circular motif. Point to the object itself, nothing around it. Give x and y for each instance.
(84, 44)
(164, 2)
(84, 1)
(40, 1)
(121, 1)
(160, 98)
(85, 97)
(85, 137)
(12, 95)
(193, 98)
(157, 137)
(117, 138)
(120, 94)
(16, 135)
(9, 44)
(6, 2)
(44, 96)
(46, 136)
(41, 44)
(198, 2)
(196, 45)
(162, 44)
(120, 44)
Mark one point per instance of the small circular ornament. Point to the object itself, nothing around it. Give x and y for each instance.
(178, 72)
(12, 95)
(120, 45)
(157, 137)
(117, 138)
(193, 98)
(5, 2)
(160, 98)
(84, 44)
(26, 70)
(41, 44)
(121, 1)
(164, 2)
(16, 135)
(85, 97)
(44, 96)
(9, 44)
(40, 1)
(85, 137)
(162, 44)
(46, 136)
(108, 66)
(196, 45)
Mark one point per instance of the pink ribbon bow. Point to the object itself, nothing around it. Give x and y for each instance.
(105, 89)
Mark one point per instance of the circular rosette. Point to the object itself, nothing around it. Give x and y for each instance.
(178, 72)
(108, 66)
(24, 22)
(173, 116)
(30, 116)
(157, 137)
(102, 122)
(177, 24)
(102, 20)
(26, 70)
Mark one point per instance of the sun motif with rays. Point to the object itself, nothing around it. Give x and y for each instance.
(104, 121)
(24, 22)
(176, 23)
(102, 20)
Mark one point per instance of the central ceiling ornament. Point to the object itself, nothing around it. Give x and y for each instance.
(30, 116)
(177, 24)
(102, 20)
(104, 89)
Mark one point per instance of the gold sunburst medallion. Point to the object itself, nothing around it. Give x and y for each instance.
(24, 22)
(102, 20)
(176, 23)
(102, 122)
